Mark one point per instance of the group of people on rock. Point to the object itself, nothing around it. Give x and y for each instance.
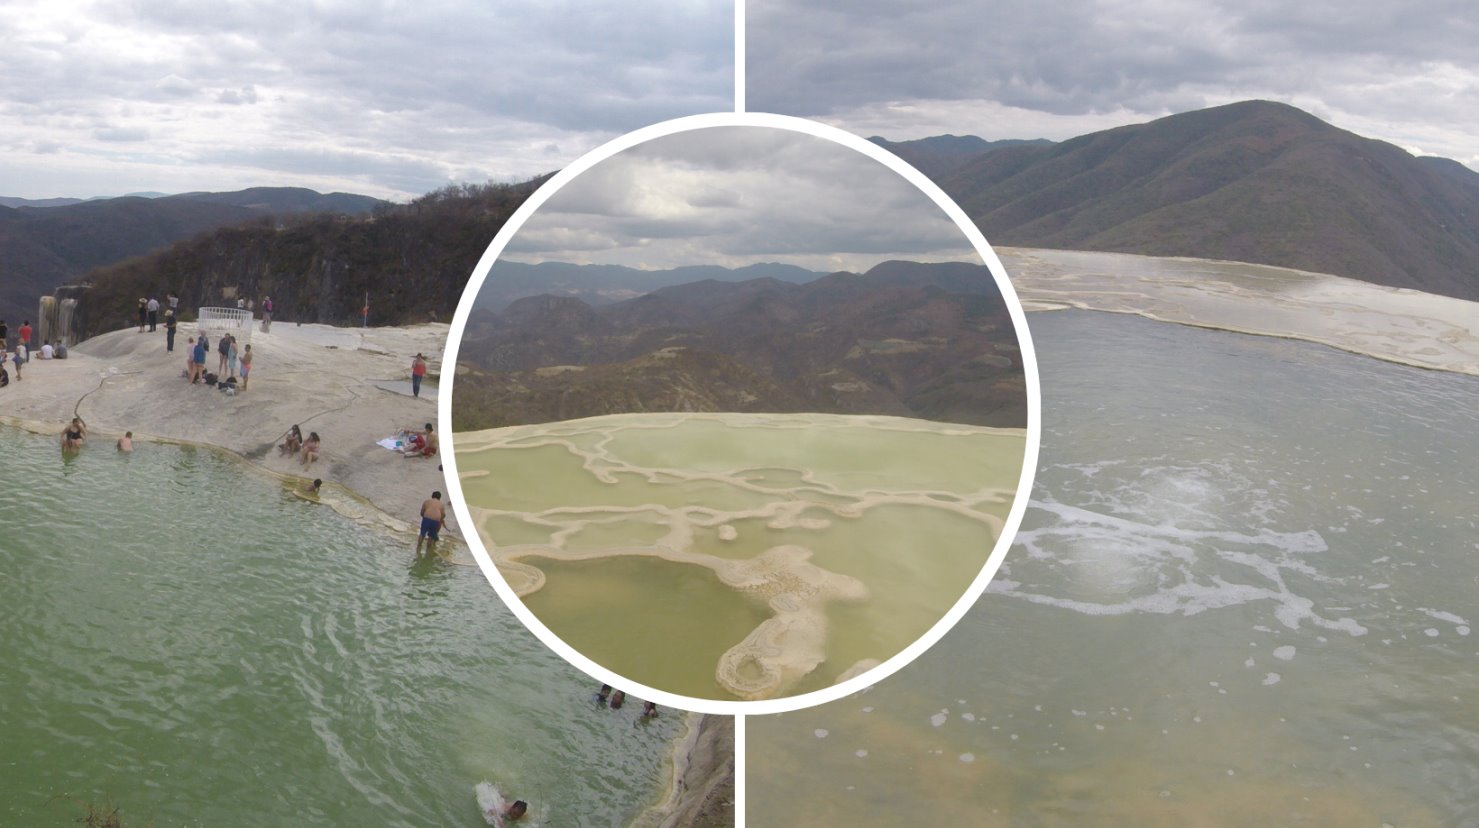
(229, 359)
(295, 443)
(23, 353)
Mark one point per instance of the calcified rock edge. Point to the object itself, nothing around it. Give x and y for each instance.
(1392, 324)
(331, 380)
(792, 642)
(700, 790)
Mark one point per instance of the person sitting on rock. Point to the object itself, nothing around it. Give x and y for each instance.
(293, 442)
(423, 444)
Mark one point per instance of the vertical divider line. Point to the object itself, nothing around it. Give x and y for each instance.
(739, 761)
(739, 58)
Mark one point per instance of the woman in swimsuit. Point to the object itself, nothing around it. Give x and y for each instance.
(75, 434)
(310, 448)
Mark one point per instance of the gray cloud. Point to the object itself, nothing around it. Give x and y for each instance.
(510, 89)
(738, 195)
(1403, 72)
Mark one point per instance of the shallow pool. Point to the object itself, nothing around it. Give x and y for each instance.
(185, 639)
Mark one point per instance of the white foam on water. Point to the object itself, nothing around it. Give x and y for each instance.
(1285, 653)
(1101, 563)
(860, 753)
(820, 733)
(1270, 679)
(1443, 616)
(1430, 632)
(939, 718)
(1461, 630)
(968, 758)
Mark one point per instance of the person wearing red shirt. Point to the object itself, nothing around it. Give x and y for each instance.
(418, 371)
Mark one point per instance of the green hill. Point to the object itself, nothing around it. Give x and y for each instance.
(1254, 181)
(413, 260)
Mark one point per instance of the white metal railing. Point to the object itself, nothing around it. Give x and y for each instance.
(216, 321)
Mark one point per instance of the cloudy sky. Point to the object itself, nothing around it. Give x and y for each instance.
(1407, 72)
(738, 195)
(385, 98)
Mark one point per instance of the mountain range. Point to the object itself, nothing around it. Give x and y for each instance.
(603, 284)
(1254, 181)
(412, 260)
(45, 246)
(941, 154)
(909, 339)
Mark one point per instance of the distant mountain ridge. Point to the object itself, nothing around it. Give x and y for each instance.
(1255, 181)
(922, 340)
(604, 284)
(412, 259)
(939, 155)
(42, 247)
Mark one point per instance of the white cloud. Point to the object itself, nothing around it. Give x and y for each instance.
(734, 196)
(1400, 72)
(423, 92)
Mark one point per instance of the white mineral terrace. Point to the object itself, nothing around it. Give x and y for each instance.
(706, 484)
(1394, 324)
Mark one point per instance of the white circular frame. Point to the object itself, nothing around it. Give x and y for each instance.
(1029, 458)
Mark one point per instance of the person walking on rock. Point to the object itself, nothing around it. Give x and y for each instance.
(153, 307)
(418, 372)
(170, 324)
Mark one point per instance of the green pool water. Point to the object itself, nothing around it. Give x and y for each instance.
(607, 606)
(907, 509)
(188, 641)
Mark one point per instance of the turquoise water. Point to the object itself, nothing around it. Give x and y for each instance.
(1243, 593)
(192, 643)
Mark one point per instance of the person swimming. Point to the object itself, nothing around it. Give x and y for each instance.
(126, 442)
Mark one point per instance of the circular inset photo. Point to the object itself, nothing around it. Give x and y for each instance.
(744, 410)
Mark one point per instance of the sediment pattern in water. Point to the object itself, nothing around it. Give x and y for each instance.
(823, 544)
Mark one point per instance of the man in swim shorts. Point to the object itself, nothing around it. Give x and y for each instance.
(433, 515)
